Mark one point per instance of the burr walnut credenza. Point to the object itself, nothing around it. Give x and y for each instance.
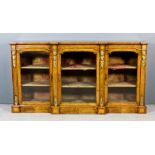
(79, 77)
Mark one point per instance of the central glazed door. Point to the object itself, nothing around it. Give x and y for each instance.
(78, 78)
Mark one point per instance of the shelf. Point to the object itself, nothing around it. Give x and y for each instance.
(124, 103)
(35, 67)
(79, 85)
(78, 100)
(122, 84)
(116, 67)
(36, 84)
(84, 68)
(36, 100)
(79, 97)
(79, 67)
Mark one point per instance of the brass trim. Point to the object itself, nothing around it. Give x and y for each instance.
(14, 58)
(102, 58)
(15, 100)
(54, 56)
(55, 101)
(101, 102)
(142, 101)
(143, 58)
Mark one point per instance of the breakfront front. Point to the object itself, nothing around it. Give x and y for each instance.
(79, 77)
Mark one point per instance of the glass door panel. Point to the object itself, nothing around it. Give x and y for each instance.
(122, 76)
(78, 73)
(35, 81)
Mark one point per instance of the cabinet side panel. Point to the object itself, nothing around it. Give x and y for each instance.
(106, 75)
(51, 76)
(15, 107)
(59, 79)
(138, 79)
(143, 77)
(97, 79)
(19, 77)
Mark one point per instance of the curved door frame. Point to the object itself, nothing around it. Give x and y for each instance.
(78, 48)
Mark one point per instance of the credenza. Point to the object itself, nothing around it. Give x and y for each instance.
(79, 77)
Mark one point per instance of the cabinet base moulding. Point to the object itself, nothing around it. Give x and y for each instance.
(141, 109)
(78, 109)
(122, 109)
(31, 108)
(15, 109)
(102, 110)
(55, 110)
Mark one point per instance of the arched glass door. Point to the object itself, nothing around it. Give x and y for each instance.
(78, 77)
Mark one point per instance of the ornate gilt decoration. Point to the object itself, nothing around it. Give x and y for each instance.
(54, 56)
(142, 100)
(102, 57)
(15, 100)
(143, 58)
(101, 102)
(14, 56)
(55, 101)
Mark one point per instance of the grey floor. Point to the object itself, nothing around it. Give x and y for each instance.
(6, 115)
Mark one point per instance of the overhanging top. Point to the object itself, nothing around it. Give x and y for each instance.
(75, 43)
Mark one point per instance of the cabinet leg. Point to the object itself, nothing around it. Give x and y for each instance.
(141, 109)
(15, 108)
(55, 110)
(102, 110)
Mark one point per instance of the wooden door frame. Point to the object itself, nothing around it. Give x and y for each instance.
(132, 50)
(19, 52)
(78, 48)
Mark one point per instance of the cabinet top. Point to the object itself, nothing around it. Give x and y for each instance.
(75, 43)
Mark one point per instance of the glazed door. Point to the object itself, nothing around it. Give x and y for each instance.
(34, 73)
(78, 76)
(122, 77)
